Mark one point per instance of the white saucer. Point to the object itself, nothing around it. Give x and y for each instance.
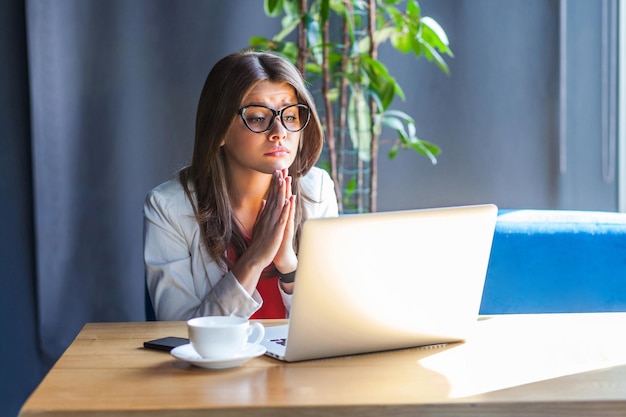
(188, 354)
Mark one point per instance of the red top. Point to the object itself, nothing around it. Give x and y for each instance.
(272, 307)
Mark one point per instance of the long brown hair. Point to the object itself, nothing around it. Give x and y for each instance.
(204, 180)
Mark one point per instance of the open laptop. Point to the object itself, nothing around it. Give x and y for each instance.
(388, 280)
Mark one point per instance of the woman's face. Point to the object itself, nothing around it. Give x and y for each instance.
(268, 151)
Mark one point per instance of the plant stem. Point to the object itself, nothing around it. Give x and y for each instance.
(343, 94)
(302, 47)
(329, 119)
(373, 52)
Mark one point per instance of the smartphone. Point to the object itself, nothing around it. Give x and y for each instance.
(165, 343)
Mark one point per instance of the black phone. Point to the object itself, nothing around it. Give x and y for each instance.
(165, 344)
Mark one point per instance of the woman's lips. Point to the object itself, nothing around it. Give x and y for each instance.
(277, 151)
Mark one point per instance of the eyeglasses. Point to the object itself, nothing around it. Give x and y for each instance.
(260, 119)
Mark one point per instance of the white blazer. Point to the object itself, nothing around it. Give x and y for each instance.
(183, 280)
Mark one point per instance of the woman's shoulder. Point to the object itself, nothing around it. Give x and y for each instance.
(319, 190)
(316, 181)
(169, 190)
(317, 173)
(169, 196)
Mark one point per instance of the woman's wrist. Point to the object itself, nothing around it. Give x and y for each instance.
(286, 278)
(286, 265)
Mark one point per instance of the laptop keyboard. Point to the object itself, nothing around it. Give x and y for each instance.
(281, 341)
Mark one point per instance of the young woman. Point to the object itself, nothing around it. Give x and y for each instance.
(222, 237)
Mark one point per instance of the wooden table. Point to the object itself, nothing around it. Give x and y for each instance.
(560, 364)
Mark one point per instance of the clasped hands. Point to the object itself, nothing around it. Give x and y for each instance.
(273, 232)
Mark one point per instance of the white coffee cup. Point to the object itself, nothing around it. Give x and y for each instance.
(215, 337)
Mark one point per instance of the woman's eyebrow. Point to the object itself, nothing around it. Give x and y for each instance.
(282, 106)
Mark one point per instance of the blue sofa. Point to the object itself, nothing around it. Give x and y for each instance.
(550, 261)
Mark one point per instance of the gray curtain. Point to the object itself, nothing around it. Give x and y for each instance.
(98, 106)
(114, 86)
(20, 368)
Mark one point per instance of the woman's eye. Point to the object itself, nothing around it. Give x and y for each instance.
(256, 120)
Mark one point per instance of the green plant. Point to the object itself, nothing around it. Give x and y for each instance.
(336, 48)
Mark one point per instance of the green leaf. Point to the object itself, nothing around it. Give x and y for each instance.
(413, 10)
(359, 124)
(393, 152)
(362, 47)
(333, 94)
(394, 123)
(324, 11)
(417, 45)
(334, 57)
(325, 165)
(407, 139)
(396, 16)
(380, 81)
(387, 93)
(359, 5)
(400, 115)
(350, 187)
(289, 24)
(349, 190)
(432, 55)
(259, 42)
(291, 7)
(411, 129)
(351, 77)
(427, 149)
(401, 41)
(338, 6)
(313, 35)
(381, 35)
(289, 50)
(347, 18)
(434, 34)
(376, 70)
(313, 68)
(273, 8)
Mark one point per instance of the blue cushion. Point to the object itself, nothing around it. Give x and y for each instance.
(548, 261)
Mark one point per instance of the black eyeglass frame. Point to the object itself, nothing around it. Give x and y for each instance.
(276, 113)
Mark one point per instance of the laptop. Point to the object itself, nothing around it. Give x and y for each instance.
(389, 280)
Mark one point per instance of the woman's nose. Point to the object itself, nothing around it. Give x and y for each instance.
(278, 131)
